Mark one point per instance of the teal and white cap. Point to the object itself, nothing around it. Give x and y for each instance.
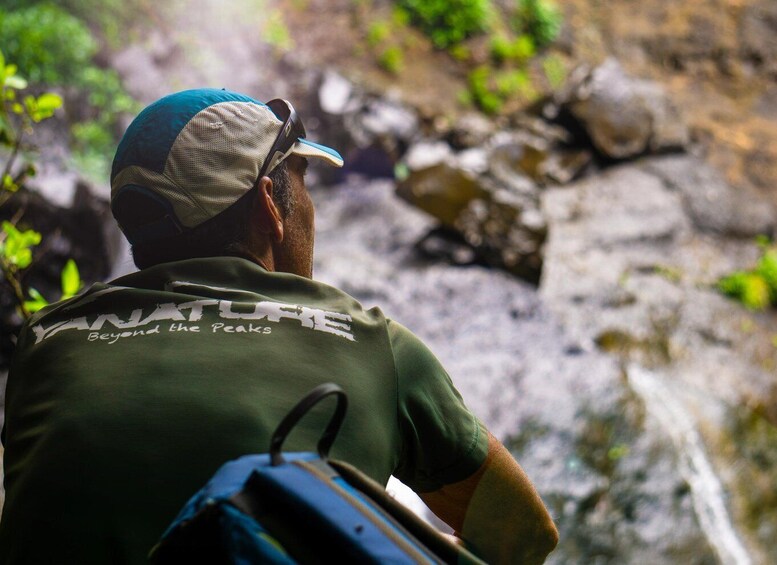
(195, 153)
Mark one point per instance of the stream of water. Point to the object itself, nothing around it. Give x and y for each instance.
(706, 489)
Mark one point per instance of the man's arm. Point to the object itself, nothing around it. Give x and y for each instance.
(497, 511)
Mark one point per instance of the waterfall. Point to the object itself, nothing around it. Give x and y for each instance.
(706, 491)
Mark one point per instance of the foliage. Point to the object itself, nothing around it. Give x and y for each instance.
(448, 22)
(16, 255)
(482, 93)
(117, 20)
(756, 288)
(17, 116)
(519, 50)
(17, 246)
(378, 32)
(490, 88)
(54, 48)
(509, 75)
(540, 19)
(392, 59)
(387, 41)
(49, 45)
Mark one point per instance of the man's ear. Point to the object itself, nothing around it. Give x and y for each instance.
(269, 218)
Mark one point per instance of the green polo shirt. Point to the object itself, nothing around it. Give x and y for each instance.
(123, 401)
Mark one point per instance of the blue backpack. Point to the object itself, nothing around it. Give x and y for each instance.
(300, 508)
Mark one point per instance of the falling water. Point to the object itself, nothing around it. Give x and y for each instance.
(706, 491)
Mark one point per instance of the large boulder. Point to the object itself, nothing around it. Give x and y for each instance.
(624, 116)
(496, 214)
(442, 190)
(541, 156)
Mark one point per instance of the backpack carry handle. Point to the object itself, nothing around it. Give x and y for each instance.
(302, 408)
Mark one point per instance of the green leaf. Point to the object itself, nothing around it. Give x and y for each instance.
(9, 184)
(2, 59)
(29, 103)
(16, 82)
(71, 279)
(49, 101)
(37, 301)
(43, 106)
(18, 245)
(523, 48)
(755, 294)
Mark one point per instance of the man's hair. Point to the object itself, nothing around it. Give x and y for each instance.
(223, 235)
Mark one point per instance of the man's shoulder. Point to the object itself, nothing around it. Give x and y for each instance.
(220, 291)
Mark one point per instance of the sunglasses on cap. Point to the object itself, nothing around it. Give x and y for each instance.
(291, 131)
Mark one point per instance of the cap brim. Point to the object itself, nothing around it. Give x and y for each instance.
(306, 148)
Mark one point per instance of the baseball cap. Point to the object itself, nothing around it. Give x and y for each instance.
(194, 153)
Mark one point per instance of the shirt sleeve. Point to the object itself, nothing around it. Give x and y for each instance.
(442, 441)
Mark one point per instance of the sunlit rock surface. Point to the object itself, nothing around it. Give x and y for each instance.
(629, 266)
(624, 116)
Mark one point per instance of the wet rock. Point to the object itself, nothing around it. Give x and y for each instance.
(712, 203)
(507, 231)
(471, 130)
(385, 120)
(358, 122)
(512, 163)
(446, 245)
(552, 134)
(528, 156)
(442, 190)
(624, 116)
(335, 94)
(621, 207)
(428, 153)
(501, 221)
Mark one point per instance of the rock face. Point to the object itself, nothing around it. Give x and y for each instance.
(631, 266)
(496, 214)
(711, 203)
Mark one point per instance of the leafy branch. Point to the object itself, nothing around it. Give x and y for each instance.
(17, 118)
